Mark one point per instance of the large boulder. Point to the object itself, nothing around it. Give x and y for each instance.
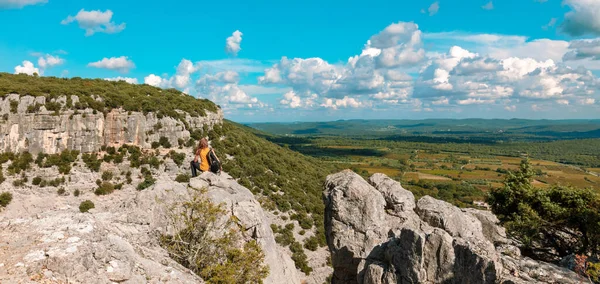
(378, 234)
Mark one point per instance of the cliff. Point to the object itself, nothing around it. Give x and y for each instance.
(26, 125)
(45, 239)
(377, 233)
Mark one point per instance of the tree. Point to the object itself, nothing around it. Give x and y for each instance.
(551, 223)
(215, 257)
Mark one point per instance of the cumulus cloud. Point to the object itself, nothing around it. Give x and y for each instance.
(292, 100)
(583, 18)
(345, 102)
(397, 45)
(95, 21)
(155, 80)
(121, 64)
(126, 79)
(583, 49)
(232, 44)
(27, 67)
(434, 8)
(511, 108)
(18, 4)
(48, 61)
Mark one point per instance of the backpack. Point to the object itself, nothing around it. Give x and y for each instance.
(213, 162)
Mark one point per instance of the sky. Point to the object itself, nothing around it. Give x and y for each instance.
(284, 61)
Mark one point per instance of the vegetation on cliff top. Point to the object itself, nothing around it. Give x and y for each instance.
(131, 97)
(551, 223)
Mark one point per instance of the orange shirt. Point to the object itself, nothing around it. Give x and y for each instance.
(204, 166)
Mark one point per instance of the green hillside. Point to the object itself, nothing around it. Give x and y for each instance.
(131, 97)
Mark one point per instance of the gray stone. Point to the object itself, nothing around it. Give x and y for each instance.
(439, 244)
(88, 132)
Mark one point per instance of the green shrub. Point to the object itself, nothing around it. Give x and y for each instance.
(5, 199)
(107, 175)
(36, 181)
(85, 206)
(20, 162)
(216, 259)
(148, 182)
(92, 161)
(105, 188)
(177, 158)
(155, 145)
(76, 192)
(2, 178)
(61, 191)
(118, 186)
(18, 182)
(183, 178)
(538, 217)
(311, 243)
(300, 258)
(164, 142)
(14, 106)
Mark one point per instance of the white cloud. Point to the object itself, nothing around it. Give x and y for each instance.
(511, 108)
(232, 44)
(488, 6)
(154, 80)
(397, 45)
(27, 67)
(536, 107)
(563, 102)
(95, 21)
(184, 71)
(586, 101)
(126, 79)
(434, 8)
(345, 102)
(292, 100)
(583, 18)
(121, 64)
(48, 61)
(18, 4)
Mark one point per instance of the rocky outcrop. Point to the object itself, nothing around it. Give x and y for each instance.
(377, 233)
(45, 239)
(85, 130)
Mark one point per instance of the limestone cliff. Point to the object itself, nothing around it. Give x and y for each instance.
(27, 128)
(45, 239)
(378, 234)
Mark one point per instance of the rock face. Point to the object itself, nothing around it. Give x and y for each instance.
(45, 239)
(43, 131)
(377, 233)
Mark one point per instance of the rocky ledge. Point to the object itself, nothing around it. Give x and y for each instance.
(377, 233)
(86, 130)
(45, 239)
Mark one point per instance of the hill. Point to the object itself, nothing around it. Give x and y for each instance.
(128, 136)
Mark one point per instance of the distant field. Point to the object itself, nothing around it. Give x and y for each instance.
(458, 167)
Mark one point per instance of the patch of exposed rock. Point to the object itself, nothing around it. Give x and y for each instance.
(45, 239)
(86, 130)
(377, 233)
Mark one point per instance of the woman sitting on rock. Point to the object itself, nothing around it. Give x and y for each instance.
(205, 159)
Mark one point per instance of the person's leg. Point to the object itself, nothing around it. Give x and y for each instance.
(193, 166)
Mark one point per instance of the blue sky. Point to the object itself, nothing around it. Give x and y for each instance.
(326, 60)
